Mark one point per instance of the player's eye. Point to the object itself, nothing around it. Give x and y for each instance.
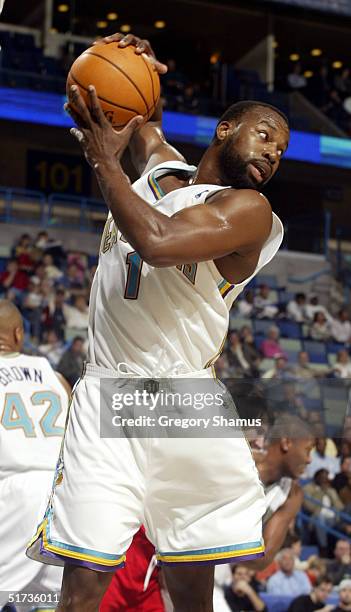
(263, 135)
(280, 152)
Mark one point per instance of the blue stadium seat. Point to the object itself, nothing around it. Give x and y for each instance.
(289, 329)
(316, 351)
(308, 551)
(261, 326)
(334, 347)
(311, 403)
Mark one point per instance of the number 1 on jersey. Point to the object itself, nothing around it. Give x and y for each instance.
(135, 264)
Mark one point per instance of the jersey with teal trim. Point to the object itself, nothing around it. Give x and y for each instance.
(163, 320)
(33, 409)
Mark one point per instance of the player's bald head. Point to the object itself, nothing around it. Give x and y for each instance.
(11, 327)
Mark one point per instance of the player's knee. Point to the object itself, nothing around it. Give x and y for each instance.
(82, 589)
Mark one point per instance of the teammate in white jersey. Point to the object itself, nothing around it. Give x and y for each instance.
(33, 408)
(178, 247)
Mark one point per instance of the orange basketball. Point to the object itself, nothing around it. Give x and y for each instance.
(126, 83)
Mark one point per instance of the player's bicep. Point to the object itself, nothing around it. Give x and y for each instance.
(235, 223)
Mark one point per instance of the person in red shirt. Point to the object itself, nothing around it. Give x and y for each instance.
(13, 278)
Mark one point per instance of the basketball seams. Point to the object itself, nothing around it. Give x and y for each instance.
(152, 80)
(122, 72)
(105, 99)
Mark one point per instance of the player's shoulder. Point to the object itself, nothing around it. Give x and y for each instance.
(250, 204)
(248, 197)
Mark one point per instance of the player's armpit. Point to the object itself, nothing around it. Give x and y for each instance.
(149, 147)
(232, 222)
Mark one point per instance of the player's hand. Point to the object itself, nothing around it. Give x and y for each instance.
(141, 46)
(100, 142)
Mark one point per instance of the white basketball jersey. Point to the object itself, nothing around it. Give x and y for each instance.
(33, 409)
(164, 321)
(276, 495)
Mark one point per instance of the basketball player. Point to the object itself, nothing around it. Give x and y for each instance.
(178, 248)
(33, 407)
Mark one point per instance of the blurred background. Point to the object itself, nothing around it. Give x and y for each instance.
(292, 327)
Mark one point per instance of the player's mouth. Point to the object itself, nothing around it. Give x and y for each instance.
(260, 171)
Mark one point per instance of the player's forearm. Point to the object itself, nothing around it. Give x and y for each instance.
(274, 535)
(140, 224)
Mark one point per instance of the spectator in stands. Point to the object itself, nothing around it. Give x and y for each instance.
(344, 596)
(295, 309)
(342, 83)
(342, 366)
(24, 253)
(250, 352)
(314, 306)
(188, 101)
(281, 370)
(315, 600)
(288, 581)
(320, 328)
(71, 362)
(321, 501)
(52, 271)
(240, 595)
(270, 347)
(52, 348)
(236, 358)
(341, 327)
(72, 281)
(303, 367)
(340, 567)
(246, 304)
(13, 278)
(223, 369)
(264, 306)
(56, 314)
(296, 80)
(32, 307)
(341, 479)
(321, 458)
(77, 316)
(291, 402)
(315, 569)
(345, 496)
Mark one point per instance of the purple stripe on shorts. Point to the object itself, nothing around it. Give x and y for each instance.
(71, 561)
(214, 561)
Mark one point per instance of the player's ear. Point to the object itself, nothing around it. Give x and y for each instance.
(285, 444)
(224, 128)
(19, 336)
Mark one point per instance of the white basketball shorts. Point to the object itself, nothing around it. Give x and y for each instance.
(200, 499)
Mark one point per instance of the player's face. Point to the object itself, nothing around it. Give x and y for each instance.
(300, 456)
(250, 153)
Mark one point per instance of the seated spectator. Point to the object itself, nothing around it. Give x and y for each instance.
(55, 314)
(321, 501)
(264, 307)
(240, 595)
(345, 496)
(270, 347)
(296, 80)
(320, 328)
(341, 327)
(281, 370)
(315, 569)
(52, 271)
(315, 600)
(52, 348)
(290, 402)
(295, 309)
(72, 281)
(314, 306)
(77, 316)
(303, 368)
(288, 581)
(13, 277)
(321, 458)
(250, 352)
(236, 358)
(339, 568)
(246, 304)
(32, 307)
(344, 596)
(71, 362)
(24, 253)
(222, 366)
(341, 479)
(342, 366)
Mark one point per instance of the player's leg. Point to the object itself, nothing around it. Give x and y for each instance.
(190, 587)
(82, 589)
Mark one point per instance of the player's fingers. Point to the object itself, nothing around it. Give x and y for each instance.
(77, 101)
(72, 113)
(95, 106)
(78, 134)
(130, 39)
(132, 125)
(109, 39)
(158, 66)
